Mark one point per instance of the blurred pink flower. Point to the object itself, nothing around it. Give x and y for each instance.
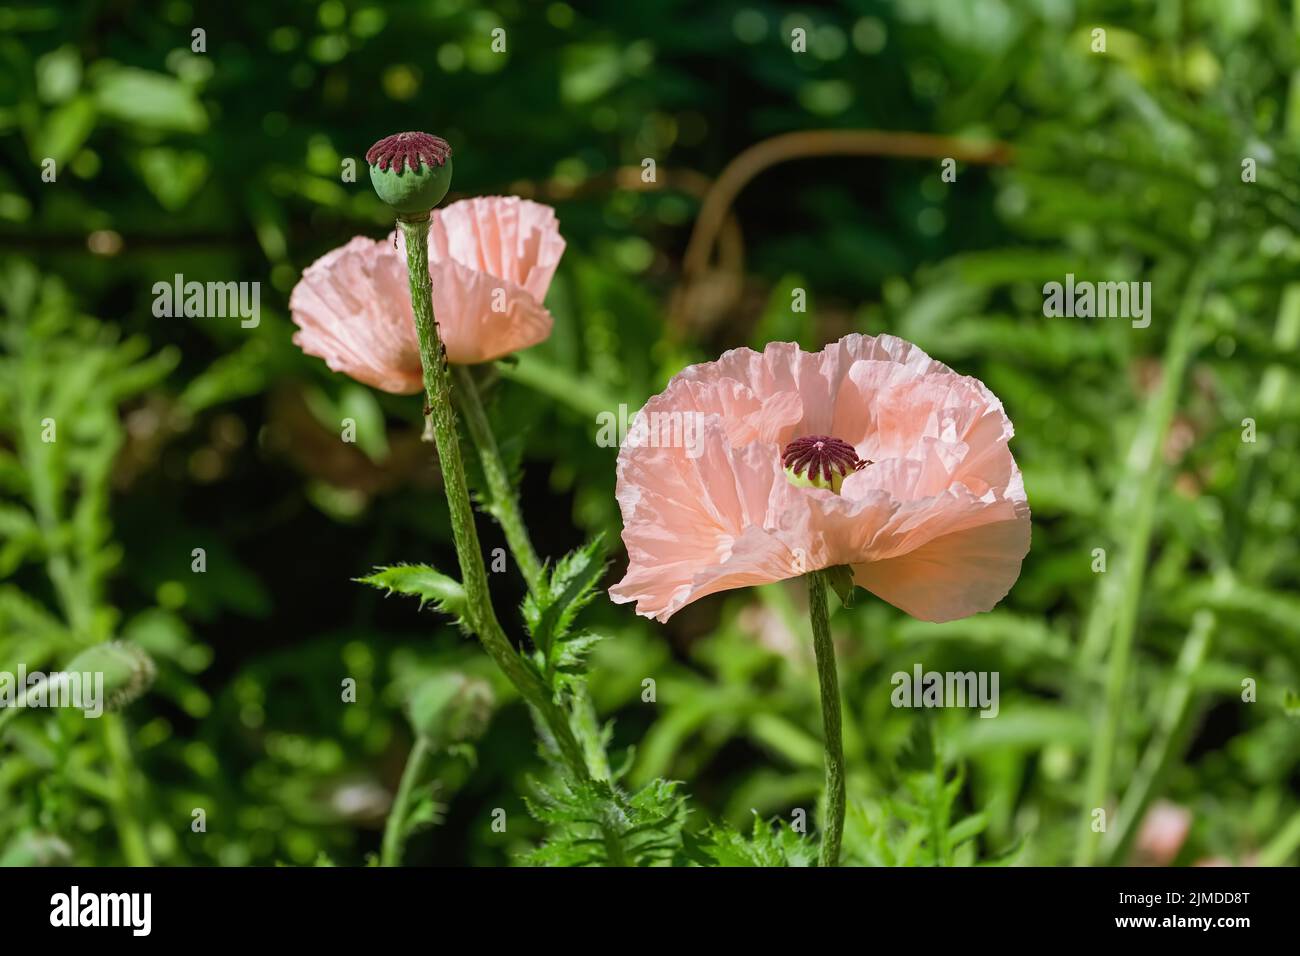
(1163, 831)
(491, 260)
(925, 502)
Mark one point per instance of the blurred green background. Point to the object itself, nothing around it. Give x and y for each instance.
(176, 434)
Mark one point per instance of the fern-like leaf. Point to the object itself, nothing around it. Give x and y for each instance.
(570, 586)
(769, 843)
(592, 823)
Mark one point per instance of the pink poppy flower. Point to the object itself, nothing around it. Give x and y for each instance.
(764, 466)
(491, 260)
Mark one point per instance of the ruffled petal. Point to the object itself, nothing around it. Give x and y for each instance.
(956, 574)
(353, 310)
(481, 317)
(503, 236)
(695, 521)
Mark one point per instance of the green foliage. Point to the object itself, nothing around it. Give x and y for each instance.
(595, 824)
(767, 844)
(549, 615)
(915, 825)
(62, 380)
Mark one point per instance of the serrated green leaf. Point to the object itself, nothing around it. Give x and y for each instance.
(769, 843)
(419, 580)
(549, 616)
(571, 653)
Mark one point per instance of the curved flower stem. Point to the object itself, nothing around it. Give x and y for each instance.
(504, 504)
(833, 820)
(395, 828)
(437, 386)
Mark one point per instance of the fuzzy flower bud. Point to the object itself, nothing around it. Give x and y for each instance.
(128, 671)
(451, 708)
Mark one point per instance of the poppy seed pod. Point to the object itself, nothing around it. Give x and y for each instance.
(410, 171)
(820, 461)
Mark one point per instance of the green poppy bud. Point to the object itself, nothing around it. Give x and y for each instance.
(128, 671)
(451, 708)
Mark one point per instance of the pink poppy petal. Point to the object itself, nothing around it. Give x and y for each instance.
(504, 236)
(696, 525)
(481, 317)
(352, 309)
(954, 575)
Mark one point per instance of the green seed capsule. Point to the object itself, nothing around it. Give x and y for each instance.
(410, 171)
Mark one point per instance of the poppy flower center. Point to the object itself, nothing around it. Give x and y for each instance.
(820, 461)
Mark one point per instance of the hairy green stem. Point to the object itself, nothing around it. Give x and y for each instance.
(395, 829)
(1117, 608)
(504, 507)
(503, 504)
(129, 831)
(442, 417)
(833, 818)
